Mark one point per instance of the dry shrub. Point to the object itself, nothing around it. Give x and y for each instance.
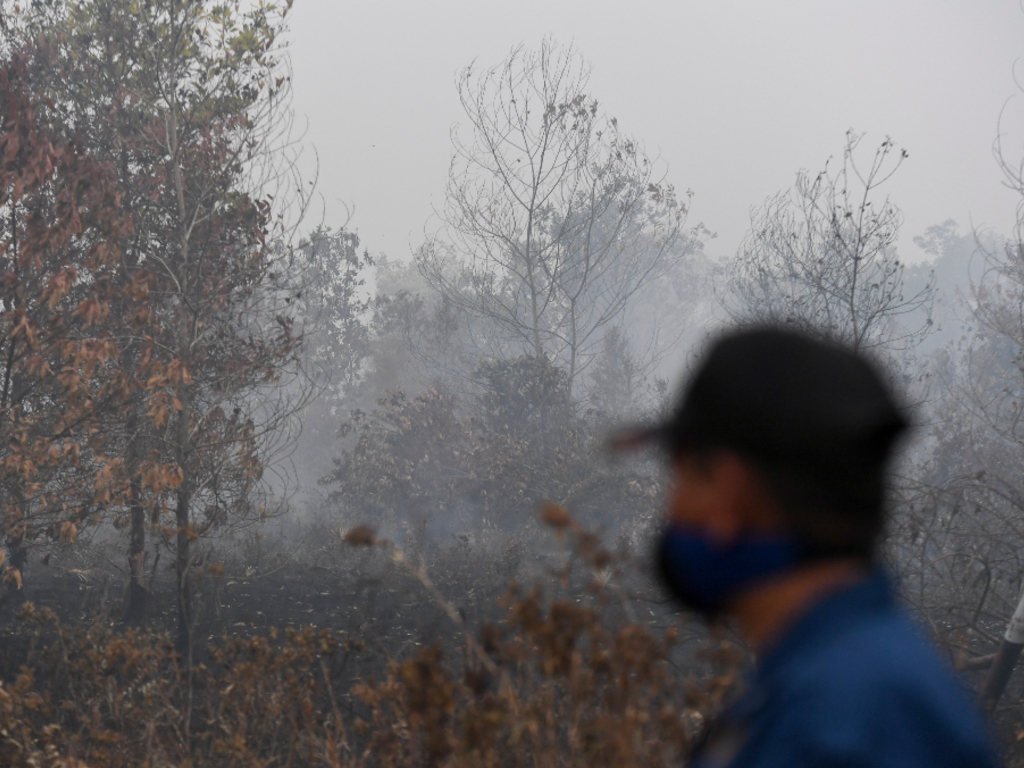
(562, 691)
(127, 700)
(564, 680)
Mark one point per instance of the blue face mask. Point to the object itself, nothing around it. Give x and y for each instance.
(706, 575)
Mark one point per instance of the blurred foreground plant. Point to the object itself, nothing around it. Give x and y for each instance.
(559, 682)
(564, 679)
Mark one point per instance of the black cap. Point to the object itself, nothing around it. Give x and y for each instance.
(783, 398)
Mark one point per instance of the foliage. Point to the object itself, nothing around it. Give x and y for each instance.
(157, 335)
(562, 680)
(181, 101)
(60, 223)
(337, 337)
(493, 455)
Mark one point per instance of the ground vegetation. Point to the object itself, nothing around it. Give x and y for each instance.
(466, 579)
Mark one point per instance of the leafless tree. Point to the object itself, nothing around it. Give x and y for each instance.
(554, 220)
(822, 257)
(960, 540)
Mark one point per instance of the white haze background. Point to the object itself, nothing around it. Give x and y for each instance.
(734, 97)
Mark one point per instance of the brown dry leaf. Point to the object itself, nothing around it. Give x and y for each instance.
(68, 532)
(556, 516)
(360, 536)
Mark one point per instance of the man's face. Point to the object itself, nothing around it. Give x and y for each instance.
(720, 495)
(723, 533)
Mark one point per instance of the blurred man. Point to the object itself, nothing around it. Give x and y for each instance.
(775, 510)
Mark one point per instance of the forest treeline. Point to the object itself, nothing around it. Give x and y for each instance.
(396, 451)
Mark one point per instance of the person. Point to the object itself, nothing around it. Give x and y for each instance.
(775, 510)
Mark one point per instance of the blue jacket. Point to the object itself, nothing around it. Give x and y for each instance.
(853, 683)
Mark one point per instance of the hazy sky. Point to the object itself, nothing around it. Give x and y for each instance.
(734, 96)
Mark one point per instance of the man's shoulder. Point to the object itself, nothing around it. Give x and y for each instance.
(880, 687)
(878, 655)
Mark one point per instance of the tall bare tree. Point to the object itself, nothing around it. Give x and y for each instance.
(554, 220)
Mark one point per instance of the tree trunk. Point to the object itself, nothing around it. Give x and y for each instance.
(183, 543)
(138, 593)
(137, 590)
(17, 551)
(182, 562)
(184, 501)
(1005, 659)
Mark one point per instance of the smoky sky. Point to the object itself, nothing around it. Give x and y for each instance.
(733, 96)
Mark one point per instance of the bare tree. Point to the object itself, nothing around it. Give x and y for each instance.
(961, 542)
(822, 257)
(554, 219)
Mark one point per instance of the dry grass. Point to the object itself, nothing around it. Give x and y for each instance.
(564, 679)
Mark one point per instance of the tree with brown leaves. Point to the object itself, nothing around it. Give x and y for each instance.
(60, 223)
(185, 102)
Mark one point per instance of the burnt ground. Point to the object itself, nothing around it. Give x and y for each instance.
(256, 584)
